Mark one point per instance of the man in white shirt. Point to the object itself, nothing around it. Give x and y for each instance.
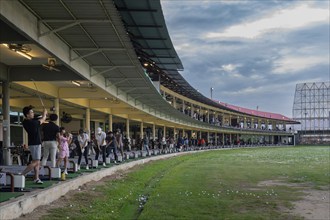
(101, 144)
(83, 147)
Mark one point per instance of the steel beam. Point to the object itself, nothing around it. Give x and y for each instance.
(93, 51)
(136, 9)
(144, 26)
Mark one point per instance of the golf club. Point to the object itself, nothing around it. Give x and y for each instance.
(38, 94)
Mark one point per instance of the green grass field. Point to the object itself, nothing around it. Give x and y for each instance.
(221, 184)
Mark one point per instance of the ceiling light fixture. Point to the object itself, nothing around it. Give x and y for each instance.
(20, 49)
(76, 83)
(27, 56)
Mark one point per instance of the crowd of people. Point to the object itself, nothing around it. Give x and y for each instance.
(46, 140)
(218, 120)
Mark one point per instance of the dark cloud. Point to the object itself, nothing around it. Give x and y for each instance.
(247, 72)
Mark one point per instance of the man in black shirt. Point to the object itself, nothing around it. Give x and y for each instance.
(50, 140)
(111, 145)
(32, 127)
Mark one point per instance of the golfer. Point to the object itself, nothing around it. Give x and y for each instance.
(32, 127)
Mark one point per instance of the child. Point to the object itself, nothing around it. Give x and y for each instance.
(64, 149)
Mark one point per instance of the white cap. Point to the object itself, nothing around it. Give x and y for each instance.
(99, 130)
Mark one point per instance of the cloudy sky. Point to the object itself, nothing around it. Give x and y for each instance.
(252, 53)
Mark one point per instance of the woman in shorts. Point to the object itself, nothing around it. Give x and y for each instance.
(63, 149)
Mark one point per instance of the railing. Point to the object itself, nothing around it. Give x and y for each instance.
(218, 124)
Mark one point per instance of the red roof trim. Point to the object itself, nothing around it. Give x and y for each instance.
(257, 113)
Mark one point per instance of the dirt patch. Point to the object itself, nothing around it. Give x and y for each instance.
(315, 204)
(65, 201)
(281, 183)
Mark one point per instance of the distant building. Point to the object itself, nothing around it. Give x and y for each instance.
(311, 107)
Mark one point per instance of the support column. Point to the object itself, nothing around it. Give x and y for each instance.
(229, 120)
(104, 127)
(223, 138)
(6, 122)
(164, 132)
(154, 132)
(192, 110)
(174, 102)
(273, 125)
(110, 122)
(244, 123)
(88, 121)
(259, 124)
(127, 128)
(183, 133)
(216, 138)
(208, 137)
(57, 110)
(230, 139)
(141, 130)
(183, 106)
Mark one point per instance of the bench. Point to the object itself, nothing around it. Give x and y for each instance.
(14, 180)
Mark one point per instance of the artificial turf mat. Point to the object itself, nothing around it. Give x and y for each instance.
(4, 196)
(90, 170)
(31, 184)
(73, 175)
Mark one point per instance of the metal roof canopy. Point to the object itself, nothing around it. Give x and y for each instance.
(89, 30)
(145, 24)
(101, 55)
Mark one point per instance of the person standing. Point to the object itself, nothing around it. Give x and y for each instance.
(203, 143)
(51, 134)
(179, 143)
(82, 147)
(186, 143)
(145, 142)
(129, 144)
(163, 143)
(171, 141)
(92, 145)
(112, 145)
(101, 144)
(120, 143)
(32, 127)
(65, 140)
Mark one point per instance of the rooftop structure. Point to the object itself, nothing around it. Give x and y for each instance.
(311, 106)
(107, 63)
